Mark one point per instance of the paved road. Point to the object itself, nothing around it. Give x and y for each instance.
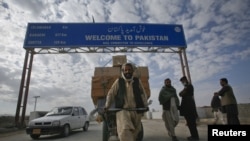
(154, 130)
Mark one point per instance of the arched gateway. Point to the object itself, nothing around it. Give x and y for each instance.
(58, 38)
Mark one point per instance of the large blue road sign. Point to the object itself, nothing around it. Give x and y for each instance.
(71, 35)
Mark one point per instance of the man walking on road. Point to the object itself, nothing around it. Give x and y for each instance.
(170, 102)
(128, 93)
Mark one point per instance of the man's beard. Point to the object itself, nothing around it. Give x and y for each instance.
(128, 75)
(168, 86)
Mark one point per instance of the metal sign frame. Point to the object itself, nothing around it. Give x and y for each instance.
(51, 48)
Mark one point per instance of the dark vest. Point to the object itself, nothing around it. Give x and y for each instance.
(119, 99)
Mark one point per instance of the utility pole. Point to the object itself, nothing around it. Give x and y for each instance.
(35, 101)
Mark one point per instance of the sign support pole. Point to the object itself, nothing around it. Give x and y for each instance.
(24, 87)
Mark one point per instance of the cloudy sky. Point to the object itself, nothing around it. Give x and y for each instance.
(217, 33)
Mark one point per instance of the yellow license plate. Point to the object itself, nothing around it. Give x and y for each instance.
(36, 131)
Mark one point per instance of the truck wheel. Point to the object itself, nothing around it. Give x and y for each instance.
(140, 134)
(34, 136)
(105, 131)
